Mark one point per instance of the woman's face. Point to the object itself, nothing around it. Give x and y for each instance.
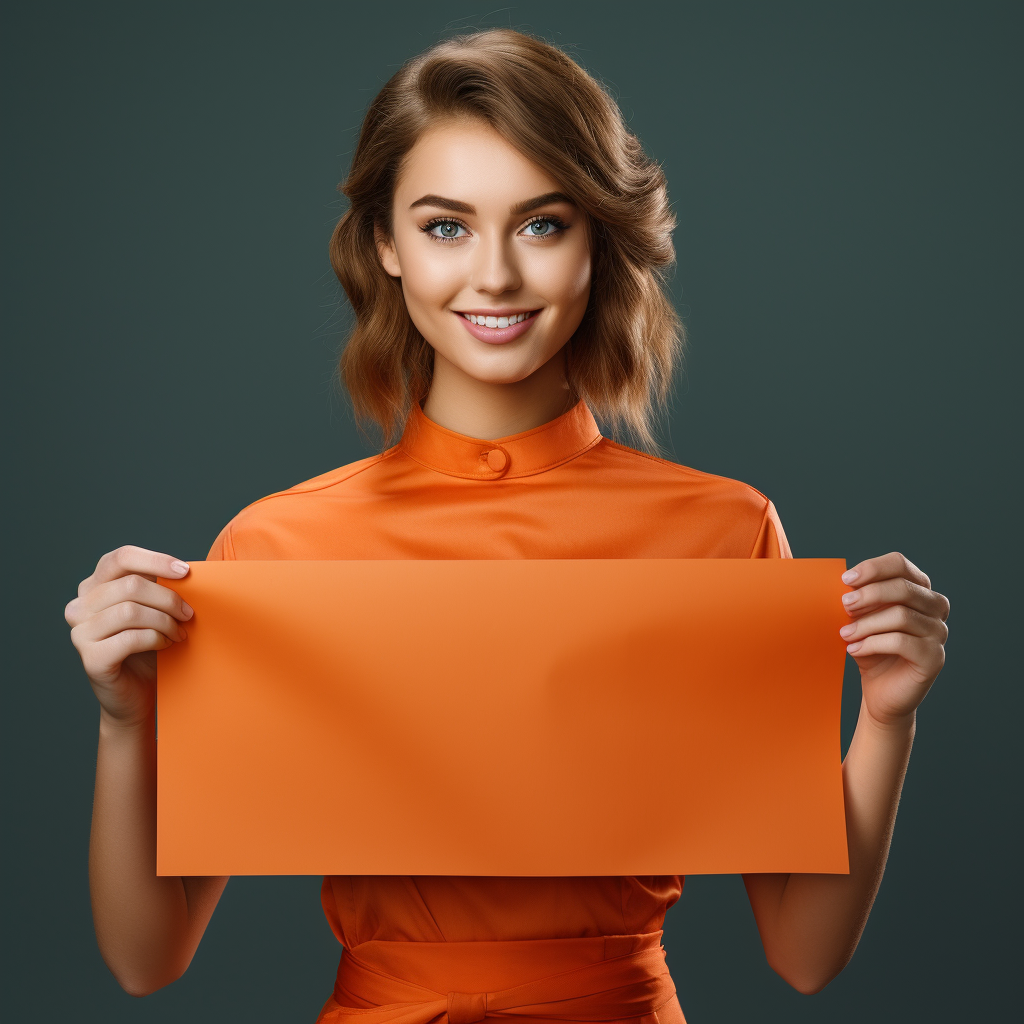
(482, 234)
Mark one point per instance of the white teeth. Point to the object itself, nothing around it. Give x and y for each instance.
(496, 322)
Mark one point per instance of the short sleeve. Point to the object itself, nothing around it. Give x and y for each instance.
(222, 550)
(771, 538)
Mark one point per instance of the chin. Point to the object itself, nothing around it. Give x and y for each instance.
(497, 374)
(495, 367)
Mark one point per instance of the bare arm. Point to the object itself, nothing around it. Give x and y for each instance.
(810, 924)
(148, 927)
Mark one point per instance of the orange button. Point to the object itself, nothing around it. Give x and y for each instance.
(497, 460)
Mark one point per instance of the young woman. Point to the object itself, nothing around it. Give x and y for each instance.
(503, 252)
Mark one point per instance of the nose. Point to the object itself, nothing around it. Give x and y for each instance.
(495, 270)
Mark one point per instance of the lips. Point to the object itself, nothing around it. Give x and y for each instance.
(497, 335)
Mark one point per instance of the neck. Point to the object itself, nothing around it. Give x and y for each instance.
(488, 411)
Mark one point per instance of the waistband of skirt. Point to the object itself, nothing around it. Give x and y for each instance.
(609, 978)
(493, 964)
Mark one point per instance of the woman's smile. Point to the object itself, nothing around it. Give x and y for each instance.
(498, 326)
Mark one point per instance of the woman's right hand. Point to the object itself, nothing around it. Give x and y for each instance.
(119, 620)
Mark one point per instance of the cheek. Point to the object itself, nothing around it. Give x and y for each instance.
(562, 276)
(428, 279)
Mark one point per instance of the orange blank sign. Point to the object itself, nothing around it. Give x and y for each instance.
(510, 717)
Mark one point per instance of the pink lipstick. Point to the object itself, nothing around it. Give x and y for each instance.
(497, 335)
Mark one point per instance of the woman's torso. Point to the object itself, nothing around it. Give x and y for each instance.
(559, 491)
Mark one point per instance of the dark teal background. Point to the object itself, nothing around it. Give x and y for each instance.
(847, 182)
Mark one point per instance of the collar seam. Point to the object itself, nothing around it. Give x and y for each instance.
(568, 458)
(407, 450)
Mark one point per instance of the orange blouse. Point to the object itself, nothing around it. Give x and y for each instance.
(560, 490)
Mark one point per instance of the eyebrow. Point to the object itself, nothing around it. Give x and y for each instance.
(458, 206)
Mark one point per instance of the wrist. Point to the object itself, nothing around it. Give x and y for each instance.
(898, 725)
(111, 725)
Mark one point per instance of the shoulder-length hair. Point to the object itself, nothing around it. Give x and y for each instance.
(621, 358)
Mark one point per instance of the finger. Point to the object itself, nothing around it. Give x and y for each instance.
(895, 591)
(102, 660)
(126, 615)
(885, 567)
(128, 588)
(896, 618)
(131, 559)
(926, 654)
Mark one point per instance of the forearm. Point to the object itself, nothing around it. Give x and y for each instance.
(819, 918)
(141, 920)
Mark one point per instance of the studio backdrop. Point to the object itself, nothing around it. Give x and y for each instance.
(846, 178)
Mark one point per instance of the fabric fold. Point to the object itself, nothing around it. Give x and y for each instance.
(465, 982)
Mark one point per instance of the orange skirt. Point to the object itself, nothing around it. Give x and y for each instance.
(611, 978)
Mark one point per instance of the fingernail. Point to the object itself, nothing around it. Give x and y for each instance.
(187, 610)
(182, 635)
(848, 630)
(850, 575)
(854, 648)
(180, 567)
(849, 599)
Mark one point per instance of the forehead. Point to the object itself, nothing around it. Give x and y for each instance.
(468, 160)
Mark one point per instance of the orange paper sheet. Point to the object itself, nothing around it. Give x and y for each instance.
(512, 717)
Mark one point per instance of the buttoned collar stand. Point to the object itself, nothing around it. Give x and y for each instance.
(505, 458)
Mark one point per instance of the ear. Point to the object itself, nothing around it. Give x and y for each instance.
(386, 252)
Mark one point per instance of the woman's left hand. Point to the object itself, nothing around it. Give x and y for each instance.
(897, 635)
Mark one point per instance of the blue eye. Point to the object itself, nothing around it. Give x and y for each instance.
(543, 226)
(445, 229)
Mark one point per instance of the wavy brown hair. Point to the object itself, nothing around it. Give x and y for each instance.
(621, 358)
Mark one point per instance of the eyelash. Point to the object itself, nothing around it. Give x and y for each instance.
(557, 222)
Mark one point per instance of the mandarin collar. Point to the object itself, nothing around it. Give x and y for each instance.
(524, 454)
